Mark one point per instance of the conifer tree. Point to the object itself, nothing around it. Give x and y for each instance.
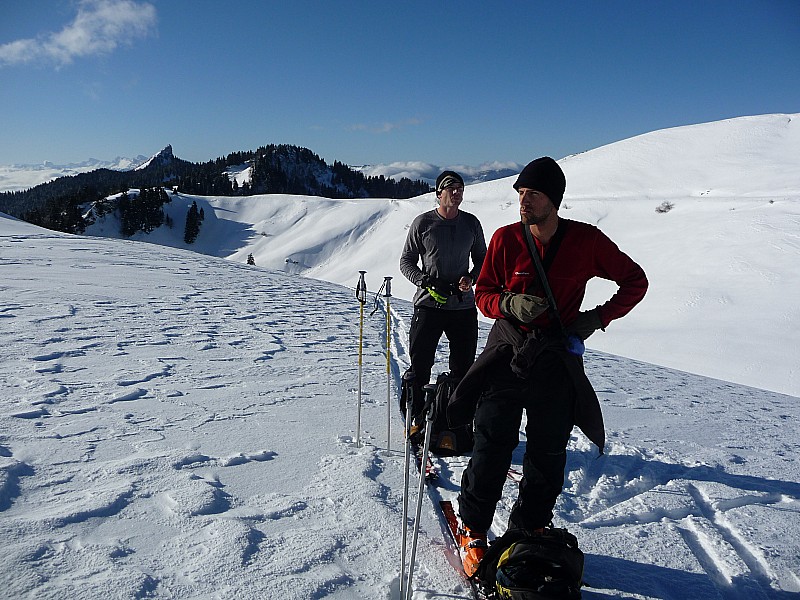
(192, 224)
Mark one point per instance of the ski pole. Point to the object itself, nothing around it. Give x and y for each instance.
(388, 294)
(386, 287)
(361, 295)
(406, 482)
(430, 394)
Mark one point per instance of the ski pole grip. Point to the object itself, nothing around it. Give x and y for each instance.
(361, 288)
(430, 404)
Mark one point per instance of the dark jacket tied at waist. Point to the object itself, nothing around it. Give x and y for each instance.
(508, 343)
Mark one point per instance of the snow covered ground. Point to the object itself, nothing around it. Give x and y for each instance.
(175, 425)
(178, 425)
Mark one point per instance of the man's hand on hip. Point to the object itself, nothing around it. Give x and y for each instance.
(586, 323)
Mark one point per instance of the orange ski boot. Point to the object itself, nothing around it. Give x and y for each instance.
(472, 547)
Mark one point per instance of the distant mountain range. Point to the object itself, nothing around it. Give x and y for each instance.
(24, 176)
(428, 172)
(18, 177)
(271, 169)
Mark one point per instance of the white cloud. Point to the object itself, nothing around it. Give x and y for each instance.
(386, 127)
(99, 28)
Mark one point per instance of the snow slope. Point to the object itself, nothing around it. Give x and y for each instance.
(174, 425)
(723, 262)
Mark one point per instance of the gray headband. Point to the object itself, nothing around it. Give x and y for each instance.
(447, 182)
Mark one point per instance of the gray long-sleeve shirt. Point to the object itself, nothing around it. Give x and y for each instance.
(445, 247)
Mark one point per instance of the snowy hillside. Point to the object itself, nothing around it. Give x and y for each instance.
(174, 425)
(722, 261)
(748, 157)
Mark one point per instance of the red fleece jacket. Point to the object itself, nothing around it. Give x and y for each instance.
(585, 252)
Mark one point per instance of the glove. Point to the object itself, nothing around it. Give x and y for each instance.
(438, 289)
(523, 307)
(437, 296)
(586, 323)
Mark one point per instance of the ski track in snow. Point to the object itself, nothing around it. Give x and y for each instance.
(147, 444)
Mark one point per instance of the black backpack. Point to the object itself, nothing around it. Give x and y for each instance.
(528, 566)
(446, 440)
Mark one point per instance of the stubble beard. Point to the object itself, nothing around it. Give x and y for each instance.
(531, 218)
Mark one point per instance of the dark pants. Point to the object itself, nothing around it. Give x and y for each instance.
(461, 329)
(548, 398)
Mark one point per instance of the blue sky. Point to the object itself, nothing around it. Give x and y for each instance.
(375, 82)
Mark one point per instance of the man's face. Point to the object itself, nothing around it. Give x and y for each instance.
(534, 206)
(451, 196)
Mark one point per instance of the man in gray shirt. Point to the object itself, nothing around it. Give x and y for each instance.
(444, 239)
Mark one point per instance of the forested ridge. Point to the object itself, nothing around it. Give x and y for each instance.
(273, 169)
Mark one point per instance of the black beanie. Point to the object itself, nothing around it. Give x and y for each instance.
(543, 175)
(447, 178)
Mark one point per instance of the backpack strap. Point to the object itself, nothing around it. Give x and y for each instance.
(540, 269)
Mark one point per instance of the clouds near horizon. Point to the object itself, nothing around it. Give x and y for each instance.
(99, 27)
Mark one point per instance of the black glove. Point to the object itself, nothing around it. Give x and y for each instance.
(437, 285)
(523, 307)
(586, 323)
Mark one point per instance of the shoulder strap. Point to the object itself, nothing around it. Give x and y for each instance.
(540, 267)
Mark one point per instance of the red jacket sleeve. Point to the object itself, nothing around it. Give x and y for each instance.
(612, 263)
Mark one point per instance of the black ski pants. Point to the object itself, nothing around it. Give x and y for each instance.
(427, 326)
(548, 398)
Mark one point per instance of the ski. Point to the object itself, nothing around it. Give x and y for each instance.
(431, 471)
(514, 475)
(460, 463)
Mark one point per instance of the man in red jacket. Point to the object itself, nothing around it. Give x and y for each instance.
(526, 364)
